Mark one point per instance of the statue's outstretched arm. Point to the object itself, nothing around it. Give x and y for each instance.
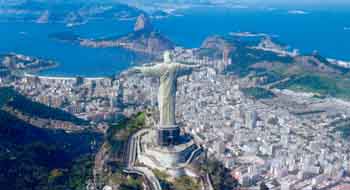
(149, 70)
(184, 69)
(131, 71)
(146, 70)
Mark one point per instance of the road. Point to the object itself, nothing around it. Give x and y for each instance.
(132, 157)
(63, 78)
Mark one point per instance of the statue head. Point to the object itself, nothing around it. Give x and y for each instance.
(167, 57)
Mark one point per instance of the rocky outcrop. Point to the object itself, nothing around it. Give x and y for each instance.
(143, 22)
(268, 43)
(13, 62)
(144, 39)
(151, 42)
(217, 42)
(217, 46)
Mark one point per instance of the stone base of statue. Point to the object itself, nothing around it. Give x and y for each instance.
(161, 151)
(168, 135)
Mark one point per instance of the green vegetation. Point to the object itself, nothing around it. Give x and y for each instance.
(263, 186)
(180, 183)
(163, 179)
(314, 84)
(131, 183)
(343, 126)
(345, 131)
(220, 176)
(258, 93)
(80, 172)
(41, 159)
(309, 73)
(33, 158)
(326, 62)
(5, 95)
(186, 183)
(126, 182)
(321, 84)
(269, 76)
(309, 112)
(13, 99)
(243, 58)
(161, 175)
(117, 135)
(309, 77)
(116, 140)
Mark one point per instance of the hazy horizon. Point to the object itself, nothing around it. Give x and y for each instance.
(295, 2)
(252, 3)
(262, 2)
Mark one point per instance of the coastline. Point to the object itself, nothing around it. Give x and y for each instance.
(62, 78)
(44, 68)
(36, 73)
(89, 61)
(340, 63)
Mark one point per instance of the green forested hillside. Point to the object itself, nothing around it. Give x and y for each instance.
(306, 73)
(34, 158)
(13, 99)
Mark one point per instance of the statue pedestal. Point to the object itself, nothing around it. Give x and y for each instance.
(168, 135)
(172, 159)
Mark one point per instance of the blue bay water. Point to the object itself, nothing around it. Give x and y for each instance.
(32, 39)
(321, 30)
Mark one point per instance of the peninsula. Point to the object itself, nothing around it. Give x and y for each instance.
(143, 39)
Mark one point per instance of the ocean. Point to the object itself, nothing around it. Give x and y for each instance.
(324, 30)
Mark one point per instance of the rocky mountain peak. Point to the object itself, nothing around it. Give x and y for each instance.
(143, 22)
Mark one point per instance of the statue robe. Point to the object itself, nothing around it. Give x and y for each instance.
(168, 74)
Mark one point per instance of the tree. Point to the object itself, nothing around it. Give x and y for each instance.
(263, 186)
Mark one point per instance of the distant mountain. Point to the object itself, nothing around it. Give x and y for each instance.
(143, 23)
(68, 12)
(144, 39)
(169, 5)
(34, 158)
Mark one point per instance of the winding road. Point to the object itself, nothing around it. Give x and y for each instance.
(132, 157)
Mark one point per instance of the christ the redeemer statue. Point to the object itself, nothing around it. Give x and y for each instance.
(168, 72)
